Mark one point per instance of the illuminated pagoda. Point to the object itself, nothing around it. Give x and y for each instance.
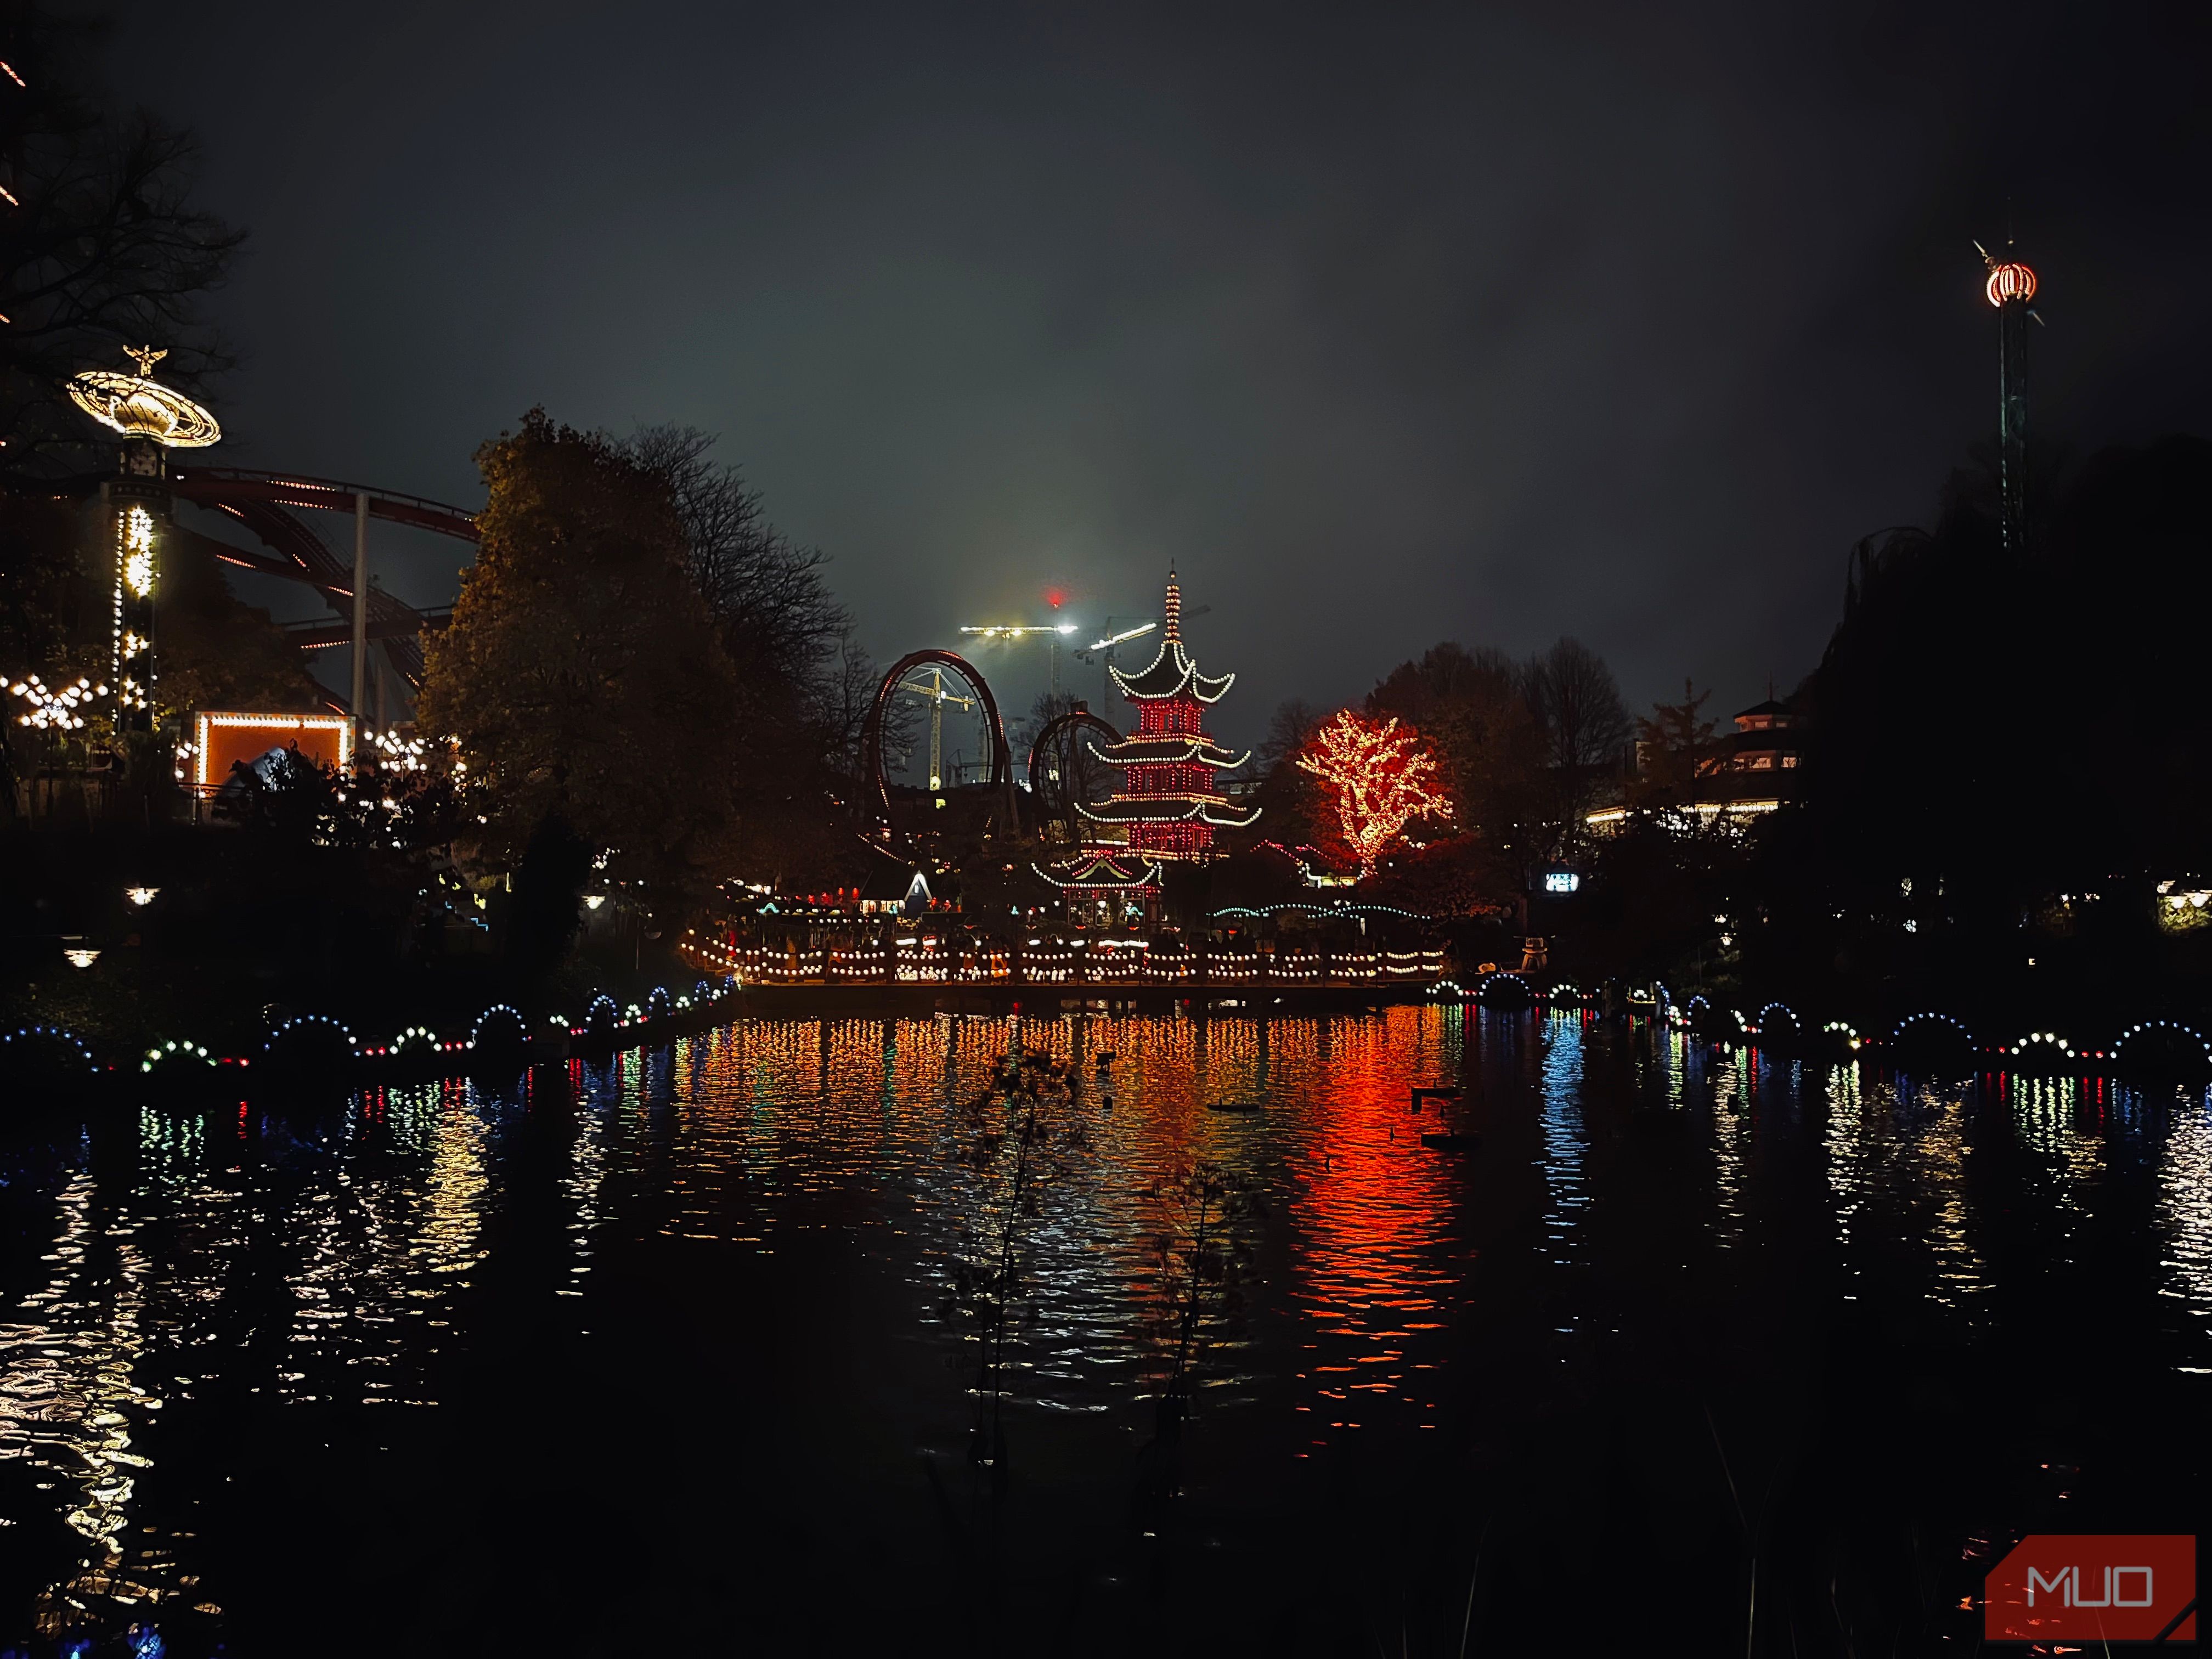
(1169, 805)
(152, 418)
(1105, 886)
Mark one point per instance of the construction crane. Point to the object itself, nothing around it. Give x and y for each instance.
(937, 696)
(1091, 653)
(1052, 631)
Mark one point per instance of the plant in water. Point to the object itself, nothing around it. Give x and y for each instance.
(1021, 1135)
(1204, 1258)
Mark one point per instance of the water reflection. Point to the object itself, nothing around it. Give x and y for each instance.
(1372, 1206)
(71, 1405)
(1564, 1138)
(331, 1265)
(1897, 1163)
(1729, 1084)
(2184, 1216)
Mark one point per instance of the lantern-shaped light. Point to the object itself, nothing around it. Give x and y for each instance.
(2008, 282)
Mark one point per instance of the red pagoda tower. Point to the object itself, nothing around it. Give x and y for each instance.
(1168, 801)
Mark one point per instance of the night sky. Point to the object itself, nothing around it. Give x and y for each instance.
(1387, 324)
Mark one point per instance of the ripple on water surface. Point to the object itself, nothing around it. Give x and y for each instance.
(358, 1267)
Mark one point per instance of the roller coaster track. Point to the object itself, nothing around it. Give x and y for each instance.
(267, 504)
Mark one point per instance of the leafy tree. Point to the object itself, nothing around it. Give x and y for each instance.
(103, 249)
(583, 675)
(1647, 911)
(803, 684)
(1474, 707)
(779, 621)
(283, 798)
(43, 584)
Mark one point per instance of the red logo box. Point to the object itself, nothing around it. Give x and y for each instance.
(2121, 1588)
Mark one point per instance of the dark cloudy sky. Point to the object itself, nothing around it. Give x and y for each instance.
(1387, 324)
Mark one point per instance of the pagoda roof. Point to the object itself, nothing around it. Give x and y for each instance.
(1171, 748)
(1103, 870)
(1172, 674)
(1171, 808)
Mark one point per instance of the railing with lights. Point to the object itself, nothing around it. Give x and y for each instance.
(921, 959)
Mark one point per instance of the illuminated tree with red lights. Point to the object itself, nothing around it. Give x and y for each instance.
(1383, 776)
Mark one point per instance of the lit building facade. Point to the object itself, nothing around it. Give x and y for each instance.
(1754, 766)
(1753, 769)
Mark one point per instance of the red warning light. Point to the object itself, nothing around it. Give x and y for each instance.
(1054, 596)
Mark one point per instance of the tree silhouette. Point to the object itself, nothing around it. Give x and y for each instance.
(102, 248)
(1672, 740)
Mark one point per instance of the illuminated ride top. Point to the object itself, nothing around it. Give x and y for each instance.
(152, 417)
(2008, 281)
(1169, 805)
(139, 406)
(2011, 288)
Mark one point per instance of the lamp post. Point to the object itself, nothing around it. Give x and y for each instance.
(360, 611)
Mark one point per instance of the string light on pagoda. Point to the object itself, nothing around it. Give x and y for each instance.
(1170, 804)
(1382, 777)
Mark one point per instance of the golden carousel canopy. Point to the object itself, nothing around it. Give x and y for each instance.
(138, 406)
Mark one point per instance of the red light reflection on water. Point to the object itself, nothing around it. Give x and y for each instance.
(1372, 1209)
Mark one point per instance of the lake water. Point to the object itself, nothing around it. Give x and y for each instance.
(681, 1353)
